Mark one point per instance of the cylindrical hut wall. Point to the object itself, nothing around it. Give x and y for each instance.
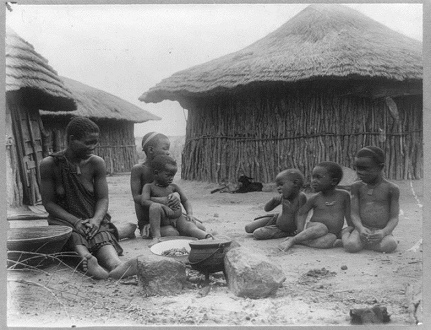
(260, 132)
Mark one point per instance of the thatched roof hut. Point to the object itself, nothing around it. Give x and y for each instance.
(115, 117)
(31, 84)
(327, 82)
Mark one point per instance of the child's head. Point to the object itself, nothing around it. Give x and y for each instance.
(164, 168)
(82, 136)
(326, 176)
(369, 163)
(154, 144)
(289, 182)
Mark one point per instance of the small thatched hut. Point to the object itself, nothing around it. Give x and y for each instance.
(327, 82)
(31, 84)
(114, 116)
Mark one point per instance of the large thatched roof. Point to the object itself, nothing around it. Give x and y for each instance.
(322, 41)
(28, 72)
(95, 103)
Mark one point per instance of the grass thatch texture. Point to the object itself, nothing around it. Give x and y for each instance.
(29, 72)
(323, 41)
(262, 132)
(95, 103)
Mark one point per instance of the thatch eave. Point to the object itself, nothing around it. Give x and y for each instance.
(340, 44)
(353, 84)
(30, 80)
(97, 104)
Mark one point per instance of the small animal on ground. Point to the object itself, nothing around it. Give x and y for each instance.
(247, 185)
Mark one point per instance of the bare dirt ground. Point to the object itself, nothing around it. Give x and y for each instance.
(317, 290)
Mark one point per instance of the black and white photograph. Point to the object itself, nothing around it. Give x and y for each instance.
(214, 164)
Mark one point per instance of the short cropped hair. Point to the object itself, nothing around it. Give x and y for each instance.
(80, 126)
(334, 170)
(160, 161)
(151, 139)
(374, 153)
(293, 174)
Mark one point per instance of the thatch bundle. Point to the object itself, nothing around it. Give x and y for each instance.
(320, 87)
(30, 74)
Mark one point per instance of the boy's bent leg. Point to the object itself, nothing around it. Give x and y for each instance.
(126, 231)
(168, 231)
(269, 232)
(189, 228)
(351, 240)
(325, 242)
(312, 231)
(156, 213)
(252, 226)
(387, 245)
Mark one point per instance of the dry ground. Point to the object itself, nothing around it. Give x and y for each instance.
(56, 296)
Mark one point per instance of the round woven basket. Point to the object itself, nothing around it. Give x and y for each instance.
(43, 240)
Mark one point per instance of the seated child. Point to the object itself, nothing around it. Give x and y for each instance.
(161, 214)
(330, 206)
(153, 144)
(375, 205)
(289, 183)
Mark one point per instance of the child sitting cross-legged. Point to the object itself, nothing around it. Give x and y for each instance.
(155, 194)
(375, 205)
(289, 183)
(330, 207)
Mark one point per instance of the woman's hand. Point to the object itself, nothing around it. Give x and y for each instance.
(81, 227)
(92, 227)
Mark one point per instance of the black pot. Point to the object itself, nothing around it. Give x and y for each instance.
(207, 256)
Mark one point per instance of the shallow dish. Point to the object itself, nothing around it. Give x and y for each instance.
(161, 247)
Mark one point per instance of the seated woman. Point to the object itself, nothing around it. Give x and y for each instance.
(75, 193)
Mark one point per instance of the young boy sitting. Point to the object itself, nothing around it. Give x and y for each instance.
(330, 207)
(153, 144)
(375, 205)
(289, 183)
(164, 169)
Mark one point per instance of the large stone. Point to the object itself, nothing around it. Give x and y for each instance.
(161, 276)
(251, 275)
